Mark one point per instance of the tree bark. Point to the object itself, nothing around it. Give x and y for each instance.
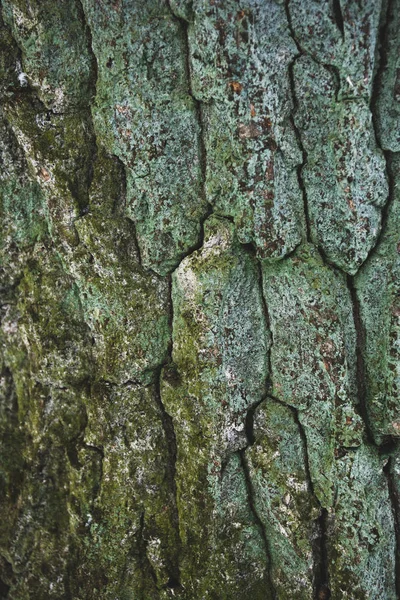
(200, 299)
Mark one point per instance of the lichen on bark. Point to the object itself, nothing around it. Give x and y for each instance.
(199, 371)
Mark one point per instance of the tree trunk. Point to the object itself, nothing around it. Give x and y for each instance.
(200, 300)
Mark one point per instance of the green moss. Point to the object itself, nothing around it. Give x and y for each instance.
(55, 50)
(146, 116)
(217, 308)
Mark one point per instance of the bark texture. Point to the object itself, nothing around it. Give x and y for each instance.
(200, 279)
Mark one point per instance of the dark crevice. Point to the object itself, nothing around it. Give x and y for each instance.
(4, 590)
(199, 244)
(300, 144)
(328, 262)
(173, 583)
(291, 29)
(395, 504)
(79, 442)
(7, 577)
(293, 122)
(250, 437)
(96, 449)
(268, 384)
(78, 188)
(198, 106)
(334, 71)
(84, 202)
(305, 449)
(202, 150)
(249, 422)
(170, 318)
(320, 549)
(169, 432)
(386, 208)
(94, 80)
(299, 168)
(382, 61)
(303, 437)
(120, 206)
(360, 366)
(260, 525)
(389, 447)
(382, 53)
(319, 544)
(301, 52)
(338, 16)
(88, 31)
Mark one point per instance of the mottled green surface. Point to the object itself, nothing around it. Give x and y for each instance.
(378, 290)
(284, 498)
(199, 376)
(360, 534)
(144, 114)
(239, 56)
(388, 93)
(219, 370)
(344, 174)
(313, 358)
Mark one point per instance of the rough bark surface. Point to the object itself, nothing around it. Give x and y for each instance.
(200, 277)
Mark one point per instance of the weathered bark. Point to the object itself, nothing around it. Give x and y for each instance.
(200, 299)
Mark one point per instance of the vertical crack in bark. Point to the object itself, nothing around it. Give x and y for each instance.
(4, 589)
(338, 16)
(395, 504)
(120, 205)
(170, 318)
(319, 545)
(291, 29)
(85, 209)
(382, 52)
(268, 383)
(249, 422)
(84, 20)
(381, 57)
(335, 73)
(202, 150)
(169, 432)
(119, 209)
(293, 123)
(250, 437)
(322, 591)
(260, 525)
(360, 365)
(79, 442)
(184, 25)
